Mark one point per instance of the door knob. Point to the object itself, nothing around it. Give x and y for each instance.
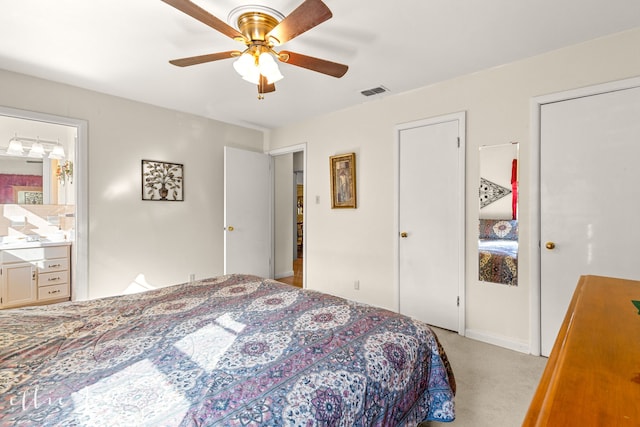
(404, 234)
(550, 245)
(230, 228)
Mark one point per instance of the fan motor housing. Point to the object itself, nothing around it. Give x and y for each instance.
(256, 25)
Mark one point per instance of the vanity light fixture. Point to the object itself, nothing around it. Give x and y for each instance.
(57, 152)
(15, 147)
(37, 149)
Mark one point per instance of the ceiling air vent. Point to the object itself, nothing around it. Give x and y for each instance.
(374, 91)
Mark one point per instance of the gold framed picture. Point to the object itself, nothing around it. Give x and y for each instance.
(343, 181)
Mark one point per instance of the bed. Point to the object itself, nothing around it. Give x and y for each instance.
(235, 350)
(498, 251)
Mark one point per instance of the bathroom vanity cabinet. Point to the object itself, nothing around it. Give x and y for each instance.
(34, 275)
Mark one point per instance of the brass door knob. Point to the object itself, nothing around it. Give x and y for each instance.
(230, 228)
(550, 245)
(404, 234)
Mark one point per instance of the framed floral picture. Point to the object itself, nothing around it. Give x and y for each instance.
(343, 181)
(162, 181)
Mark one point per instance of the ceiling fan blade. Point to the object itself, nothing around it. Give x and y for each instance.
(201, 59)
(264, 86)
(306, 16)
(205, 17)
(315, 64)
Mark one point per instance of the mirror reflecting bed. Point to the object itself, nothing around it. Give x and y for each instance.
(21, 180)
(498, 225)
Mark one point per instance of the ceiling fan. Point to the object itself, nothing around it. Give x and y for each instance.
(261, 29)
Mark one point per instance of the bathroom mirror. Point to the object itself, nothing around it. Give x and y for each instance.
(29, 179)
(498, 225)
(22, 180)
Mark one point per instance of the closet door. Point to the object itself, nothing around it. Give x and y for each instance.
(247, 212)
(589, 197)
(431, 220)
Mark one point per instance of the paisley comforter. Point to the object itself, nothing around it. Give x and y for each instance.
(498, 261)
(231, 351)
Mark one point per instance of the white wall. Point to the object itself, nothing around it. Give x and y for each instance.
(165, 241)
(344, 245)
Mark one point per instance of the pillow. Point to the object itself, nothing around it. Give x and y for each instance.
(499, 229)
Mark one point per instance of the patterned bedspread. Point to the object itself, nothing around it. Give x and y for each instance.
(231, 351)
(499, 261)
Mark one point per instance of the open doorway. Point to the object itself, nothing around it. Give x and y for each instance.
(31, 126)
(289, 215)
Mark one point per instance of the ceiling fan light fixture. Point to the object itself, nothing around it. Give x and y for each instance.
(253, 77)
(268, 67)
(250, 65)
(275, 77)
(245, 64)
(261, 28)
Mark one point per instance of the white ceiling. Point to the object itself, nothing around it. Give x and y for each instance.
(122, 47)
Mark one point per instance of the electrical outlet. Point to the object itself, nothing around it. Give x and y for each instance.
(192, 277)
(317, 200)
(356, 285)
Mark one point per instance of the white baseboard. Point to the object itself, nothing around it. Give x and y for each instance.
(285, 274)
(500, 341)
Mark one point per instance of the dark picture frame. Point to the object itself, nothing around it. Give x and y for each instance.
(162, 181)
(343, 181)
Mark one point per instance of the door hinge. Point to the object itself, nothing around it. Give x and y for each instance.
(458, 142)
(458, 302)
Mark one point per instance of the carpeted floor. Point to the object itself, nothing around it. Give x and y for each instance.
(495, 385)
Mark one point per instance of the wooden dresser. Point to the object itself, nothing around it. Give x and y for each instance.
(592, 377)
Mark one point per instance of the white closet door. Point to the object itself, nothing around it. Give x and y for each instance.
(247, 212)
(590, 197)
(431, 230)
